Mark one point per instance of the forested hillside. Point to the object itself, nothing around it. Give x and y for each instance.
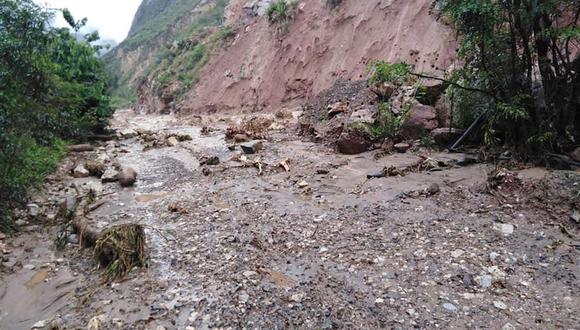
(53, 89)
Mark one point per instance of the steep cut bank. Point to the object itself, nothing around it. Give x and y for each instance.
(265, 67)
(197, 60)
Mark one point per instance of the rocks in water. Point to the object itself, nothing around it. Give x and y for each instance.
(352, 144)
(80, 148)
(80, 172)
(445, 136)
(252, 147)
(127, 177)
(402, 147)
(110, 175)
(419, 121)
(172, 141)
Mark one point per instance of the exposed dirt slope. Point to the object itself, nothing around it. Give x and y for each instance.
(263, 67)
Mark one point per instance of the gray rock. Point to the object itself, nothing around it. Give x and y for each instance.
(421, 120)
(73, 239)
(505, 228)
(499, 305)
(110, 175)
(252, 147)
(211, 161)
(172, 141)
(450, 307)
(352, 144)
(402, 147)
(486, 281)
(377, 174)
(33, 209)
(80, 172)
(446, 136)
(127, 177)
(21, 222)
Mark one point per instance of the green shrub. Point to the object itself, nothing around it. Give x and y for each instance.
(277, 11)
(396, 73)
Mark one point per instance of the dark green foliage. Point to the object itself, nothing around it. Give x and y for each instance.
(519, 70)
(52, 87)
(277, 11)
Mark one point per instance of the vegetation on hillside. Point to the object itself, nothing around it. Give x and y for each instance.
(179, 37)
(52, 88)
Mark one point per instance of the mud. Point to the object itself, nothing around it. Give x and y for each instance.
(319, 246)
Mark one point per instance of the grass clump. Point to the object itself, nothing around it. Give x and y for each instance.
(395, 73)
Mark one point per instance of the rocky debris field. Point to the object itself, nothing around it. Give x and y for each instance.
(259, 229)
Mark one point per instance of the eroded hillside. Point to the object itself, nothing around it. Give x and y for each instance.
(252, 63)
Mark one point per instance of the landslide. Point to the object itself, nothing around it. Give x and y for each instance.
(266, 66)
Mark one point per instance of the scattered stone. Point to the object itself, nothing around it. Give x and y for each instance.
(322, 171)
(240, 138)
(576, 154)
(450, 307)
(486, 281)
(231, 147)
(505, 228)
(466, 160)
(127, 133)
(205, 171)
(73, 239)
(252, 147)
(411, 311)
(127, 177)
(20, 222)
(303, 184)
(457, 253)
(375, 175)
(379, 301)
(95, 168)
(508, 326)
(40, 324)
(210, 161)
(352, 144)
(110, 175)
(249, 273)
(244, 297)
(336, 108)
(80, 148)
(493, 256)
(297, 297)
(172, 141)
(420, 120)
(432, 189)
(29, 267)
(80, 172)
(33, 210)
(499, 305)
(402, 147)
(383, 90)
(575, 216)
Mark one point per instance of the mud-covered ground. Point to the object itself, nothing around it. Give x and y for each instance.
(319, 246)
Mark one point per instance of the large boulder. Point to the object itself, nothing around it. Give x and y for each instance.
(352, 144)
(383, 90)
(420, 120)
(445, 136)
(127, 177)
(430, 92)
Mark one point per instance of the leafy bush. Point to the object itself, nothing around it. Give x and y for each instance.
(396, 73)
(277, 11)
(52, 87)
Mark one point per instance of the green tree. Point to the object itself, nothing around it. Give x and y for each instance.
(52, 87)
(521, 54)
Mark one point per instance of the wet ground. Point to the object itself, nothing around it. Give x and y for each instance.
(318, 246)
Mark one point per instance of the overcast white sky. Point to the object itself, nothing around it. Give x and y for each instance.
(111, 17)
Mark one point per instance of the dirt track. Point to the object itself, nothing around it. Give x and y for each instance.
(319, 246)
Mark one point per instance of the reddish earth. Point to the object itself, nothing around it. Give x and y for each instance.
(264, 68)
